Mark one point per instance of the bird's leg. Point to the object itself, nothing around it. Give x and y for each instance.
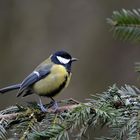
(55, 104)
(40, 104)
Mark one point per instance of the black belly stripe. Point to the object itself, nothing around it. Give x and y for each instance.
(54, 92)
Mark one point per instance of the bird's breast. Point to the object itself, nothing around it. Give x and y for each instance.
(53, 83)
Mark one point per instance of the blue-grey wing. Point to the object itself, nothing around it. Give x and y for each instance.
(34, 77)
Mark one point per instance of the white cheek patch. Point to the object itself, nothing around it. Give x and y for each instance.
(63, 60)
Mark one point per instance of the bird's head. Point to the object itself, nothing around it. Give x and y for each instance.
(63, 58)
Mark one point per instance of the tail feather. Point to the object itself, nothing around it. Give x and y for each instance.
(9, 88)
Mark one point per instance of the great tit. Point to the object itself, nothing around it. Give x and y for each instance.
(48, 78)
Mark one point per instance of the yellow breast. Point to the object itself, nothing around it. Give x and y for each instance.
(53, 83)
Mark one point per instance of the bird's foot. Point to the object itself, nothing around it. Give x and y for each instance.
(55, 106)
(43, 109)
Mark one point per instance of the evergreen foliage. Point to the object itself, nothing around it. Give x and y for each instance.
(126, 24)
(117, 109)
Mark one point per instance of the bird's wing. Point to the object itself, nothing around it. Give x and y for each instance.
(34, 77)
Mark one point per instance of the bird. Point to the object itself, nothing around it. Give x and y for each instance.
(48, 79)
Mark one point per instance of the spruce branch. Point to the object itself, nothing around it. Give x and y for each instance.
(116, 108)
(126, 24)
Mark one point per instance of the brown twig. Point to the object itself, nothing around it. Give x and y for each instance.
(8, 116)
(50, 110)
(72, 103)
(63, 108)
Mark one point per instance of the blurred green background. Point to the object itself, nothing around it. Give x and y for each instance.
(31, 30)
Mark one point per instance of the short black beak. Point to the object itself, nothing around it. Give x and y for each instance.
(74, 59)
